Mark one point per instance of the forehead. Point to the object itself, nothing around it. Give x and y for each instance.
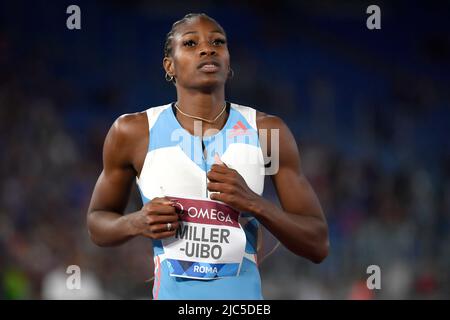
(198, 25)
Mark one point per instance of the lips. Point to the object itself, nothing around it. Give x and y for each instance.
(209, 66)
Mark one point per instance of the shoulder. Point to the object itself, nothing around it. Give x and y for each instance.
(129, 126)
(263, 120)
(268, 121)
(276, 128)
(128, 123)
(126, 134)
(125, 140)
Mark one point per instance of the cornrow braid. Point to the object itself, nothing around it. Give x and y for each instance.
(169, 37)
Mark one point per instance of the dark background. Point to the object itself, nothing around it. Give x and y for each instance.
(370, 110)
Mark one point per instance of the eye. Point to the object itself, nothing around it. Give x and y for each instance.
(219, 42)
(189, 43)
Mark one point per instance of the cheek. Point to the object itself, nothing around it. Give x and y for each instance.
(226, 56)
(181, 64)
(227, 60)
(184, 63)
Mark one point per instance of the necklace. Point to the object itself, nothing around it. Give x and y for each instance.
(199, 118)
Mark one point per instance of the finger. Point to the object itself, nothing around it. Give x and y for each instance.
(221, 168)
(158, 228)
(160, 209)
(217, 176)
(162, 219)
(163, 200)
(223, 197)
(218, 187)
(165, 234)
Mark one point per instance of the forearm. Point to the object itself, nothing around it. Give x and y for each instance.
(108, 228)
(306, 236)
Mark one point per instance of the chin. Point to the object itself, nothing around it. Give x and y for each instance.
(211, 84)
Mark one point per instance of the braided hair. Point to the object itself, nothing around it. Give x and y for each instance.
(186, 18)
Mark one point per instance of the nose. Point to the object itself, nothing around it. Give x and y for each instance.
(207, 49)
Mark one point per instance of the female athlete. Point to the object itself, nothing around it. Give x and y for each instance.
(200, 164)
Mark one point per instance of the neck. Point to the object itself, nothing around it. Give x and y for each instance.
(205, 105)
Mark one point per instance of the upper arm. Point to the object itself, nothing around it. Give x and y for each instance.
(293, 189)
(113, 187)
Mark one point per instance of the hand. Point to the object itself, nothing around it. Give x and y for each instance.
(151, 221)
(233, 189)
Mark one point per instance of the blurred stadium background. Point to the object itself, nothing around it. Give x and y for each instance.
(370, 111)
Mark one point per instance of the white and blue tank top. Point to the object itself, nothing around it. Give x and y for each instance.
(176, 165)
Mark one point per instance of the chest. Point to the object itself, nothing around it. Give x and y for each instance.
(181, 169)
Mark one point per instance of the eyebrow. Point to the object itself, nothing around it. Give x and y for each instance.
(214, 31)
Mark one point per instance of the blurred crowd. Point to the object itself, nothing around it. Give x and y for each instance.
(370, 116)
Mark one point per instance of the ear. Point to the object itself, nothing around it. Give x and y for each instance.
(168, 66)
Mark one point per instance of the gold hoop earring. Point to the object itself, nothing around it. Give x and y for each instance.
(168, 77)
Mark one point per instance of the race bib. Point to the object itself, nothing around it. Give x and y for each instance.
(209, 243)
